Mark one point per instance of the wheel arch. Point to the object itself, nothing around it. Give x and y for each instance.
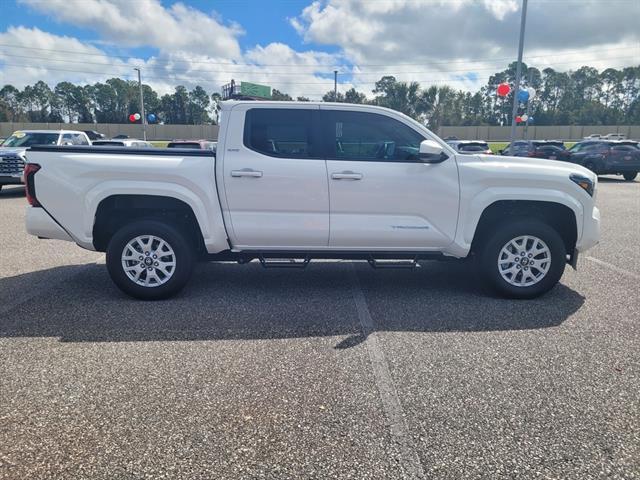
(558, 215)
(115, 211)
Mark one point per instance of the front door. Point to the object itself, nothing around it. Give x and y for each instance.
(275, 180)
(382, 196)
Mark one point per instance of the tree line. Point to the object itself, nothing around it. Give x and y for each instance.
(584, 96)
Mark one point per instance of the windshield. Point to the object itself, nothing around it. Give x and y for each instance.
(184, 145)
(26, 139)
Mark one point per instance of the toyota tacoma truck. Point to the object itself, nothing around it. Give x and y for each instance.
(291, 182)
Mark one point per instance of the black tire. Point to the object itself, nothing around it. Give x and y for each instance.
(174, 238)
(630, 176)
(491, 248)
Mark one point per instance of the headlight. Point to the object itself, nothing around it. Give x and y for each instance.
(583, 182)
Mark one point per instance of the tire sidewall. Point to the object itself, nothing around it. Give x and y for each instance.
(181, 248)
(509, 231)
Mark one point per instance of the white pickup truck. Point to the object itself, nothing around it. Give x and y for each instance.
(293, 182)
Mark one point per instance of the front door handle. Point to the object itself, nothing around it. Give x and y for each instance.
(348, 175)
(247, 172)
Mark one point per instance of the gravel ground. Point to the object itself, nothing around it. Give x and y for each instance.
(339, 371)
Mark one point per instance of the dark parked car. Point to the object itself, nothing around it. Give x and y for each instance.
(608, 157)
(470, 146)
(536, 148)
(93, 135)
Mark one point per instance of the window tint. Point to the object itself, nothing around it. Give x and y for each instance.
(624, 148)
(280, 132)
(369, 136)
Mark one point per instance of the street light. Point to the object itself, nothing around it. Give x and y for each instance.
(144, 117)
(516, 89)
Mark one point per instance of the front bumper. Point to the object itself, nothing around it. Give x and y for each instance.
(40, 224)
(590, 231)
(11, 179)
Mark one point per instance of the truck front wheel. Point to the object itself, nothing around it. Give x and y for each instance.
(523, 259)
(149, 260)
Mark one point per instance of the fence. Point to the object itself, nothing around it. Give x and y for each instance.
(154, 132)
(560, 132)
(168, 132)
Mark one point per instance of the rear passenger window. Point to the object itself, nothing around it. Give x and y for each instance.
(280, 132)
(370, 137)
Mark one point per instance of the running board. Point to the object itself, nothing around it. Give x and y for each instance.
(393, 263)
(284, 262)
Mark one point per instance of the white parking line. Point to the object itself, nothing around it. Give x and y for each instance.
(621, 271)
(390, 401)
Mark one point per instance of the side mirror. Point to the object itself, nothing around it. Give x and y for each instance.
(432, 152)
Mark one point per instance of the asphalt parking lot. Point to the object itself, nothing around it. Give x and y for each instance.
(338, 371)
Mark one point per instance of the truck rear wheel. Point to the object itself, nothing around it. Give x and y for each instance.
(523, 259)
(630, 176)
(149, 260)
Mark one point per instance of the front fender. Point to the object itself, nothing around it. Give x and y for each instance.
(472, 209)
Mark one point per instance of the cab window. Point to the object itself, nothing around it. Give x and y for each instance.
(280, 132)
(363, 136)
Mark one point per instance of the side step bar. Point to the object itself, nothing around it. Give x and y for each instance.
(393, 263)
(284, 262)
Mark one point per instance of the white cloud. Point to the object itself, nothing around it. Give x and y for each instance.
(435, 41)
(136, 23)
(455, 42)
(55, 58)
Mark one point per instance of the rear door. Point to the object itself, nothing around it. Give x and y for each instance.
(382, 196)
(275, 179)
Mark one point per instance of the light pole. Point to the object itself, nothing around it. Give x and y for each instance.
(335, 85)
(523, 21)
(144, 118)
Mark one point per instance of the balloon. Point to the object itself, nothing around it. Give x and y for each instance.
(137, 116)
(504, 89)
(151, 117)
(530, 120)
(523, 96)
(524, 117)
(518, 119)
(132, 118)
(532, 93)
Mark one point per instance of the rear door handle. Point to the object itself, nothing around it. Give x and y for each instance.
(346, 176)
(247, 172)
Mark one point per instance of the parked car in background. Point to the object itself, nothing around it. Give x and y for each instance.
(122, 135)
(12, 149)
(470, 146)
(93, 135)
(534, 148)
(195, 144)
(593, 136)
(608, 157)
(614, 136)
(123, 142)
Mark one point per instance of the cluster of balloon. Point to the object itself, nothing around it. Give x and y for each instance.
(503, 89)
(134, 117)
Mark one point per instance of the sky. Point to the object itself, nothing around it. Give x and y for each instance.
(295, 45)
